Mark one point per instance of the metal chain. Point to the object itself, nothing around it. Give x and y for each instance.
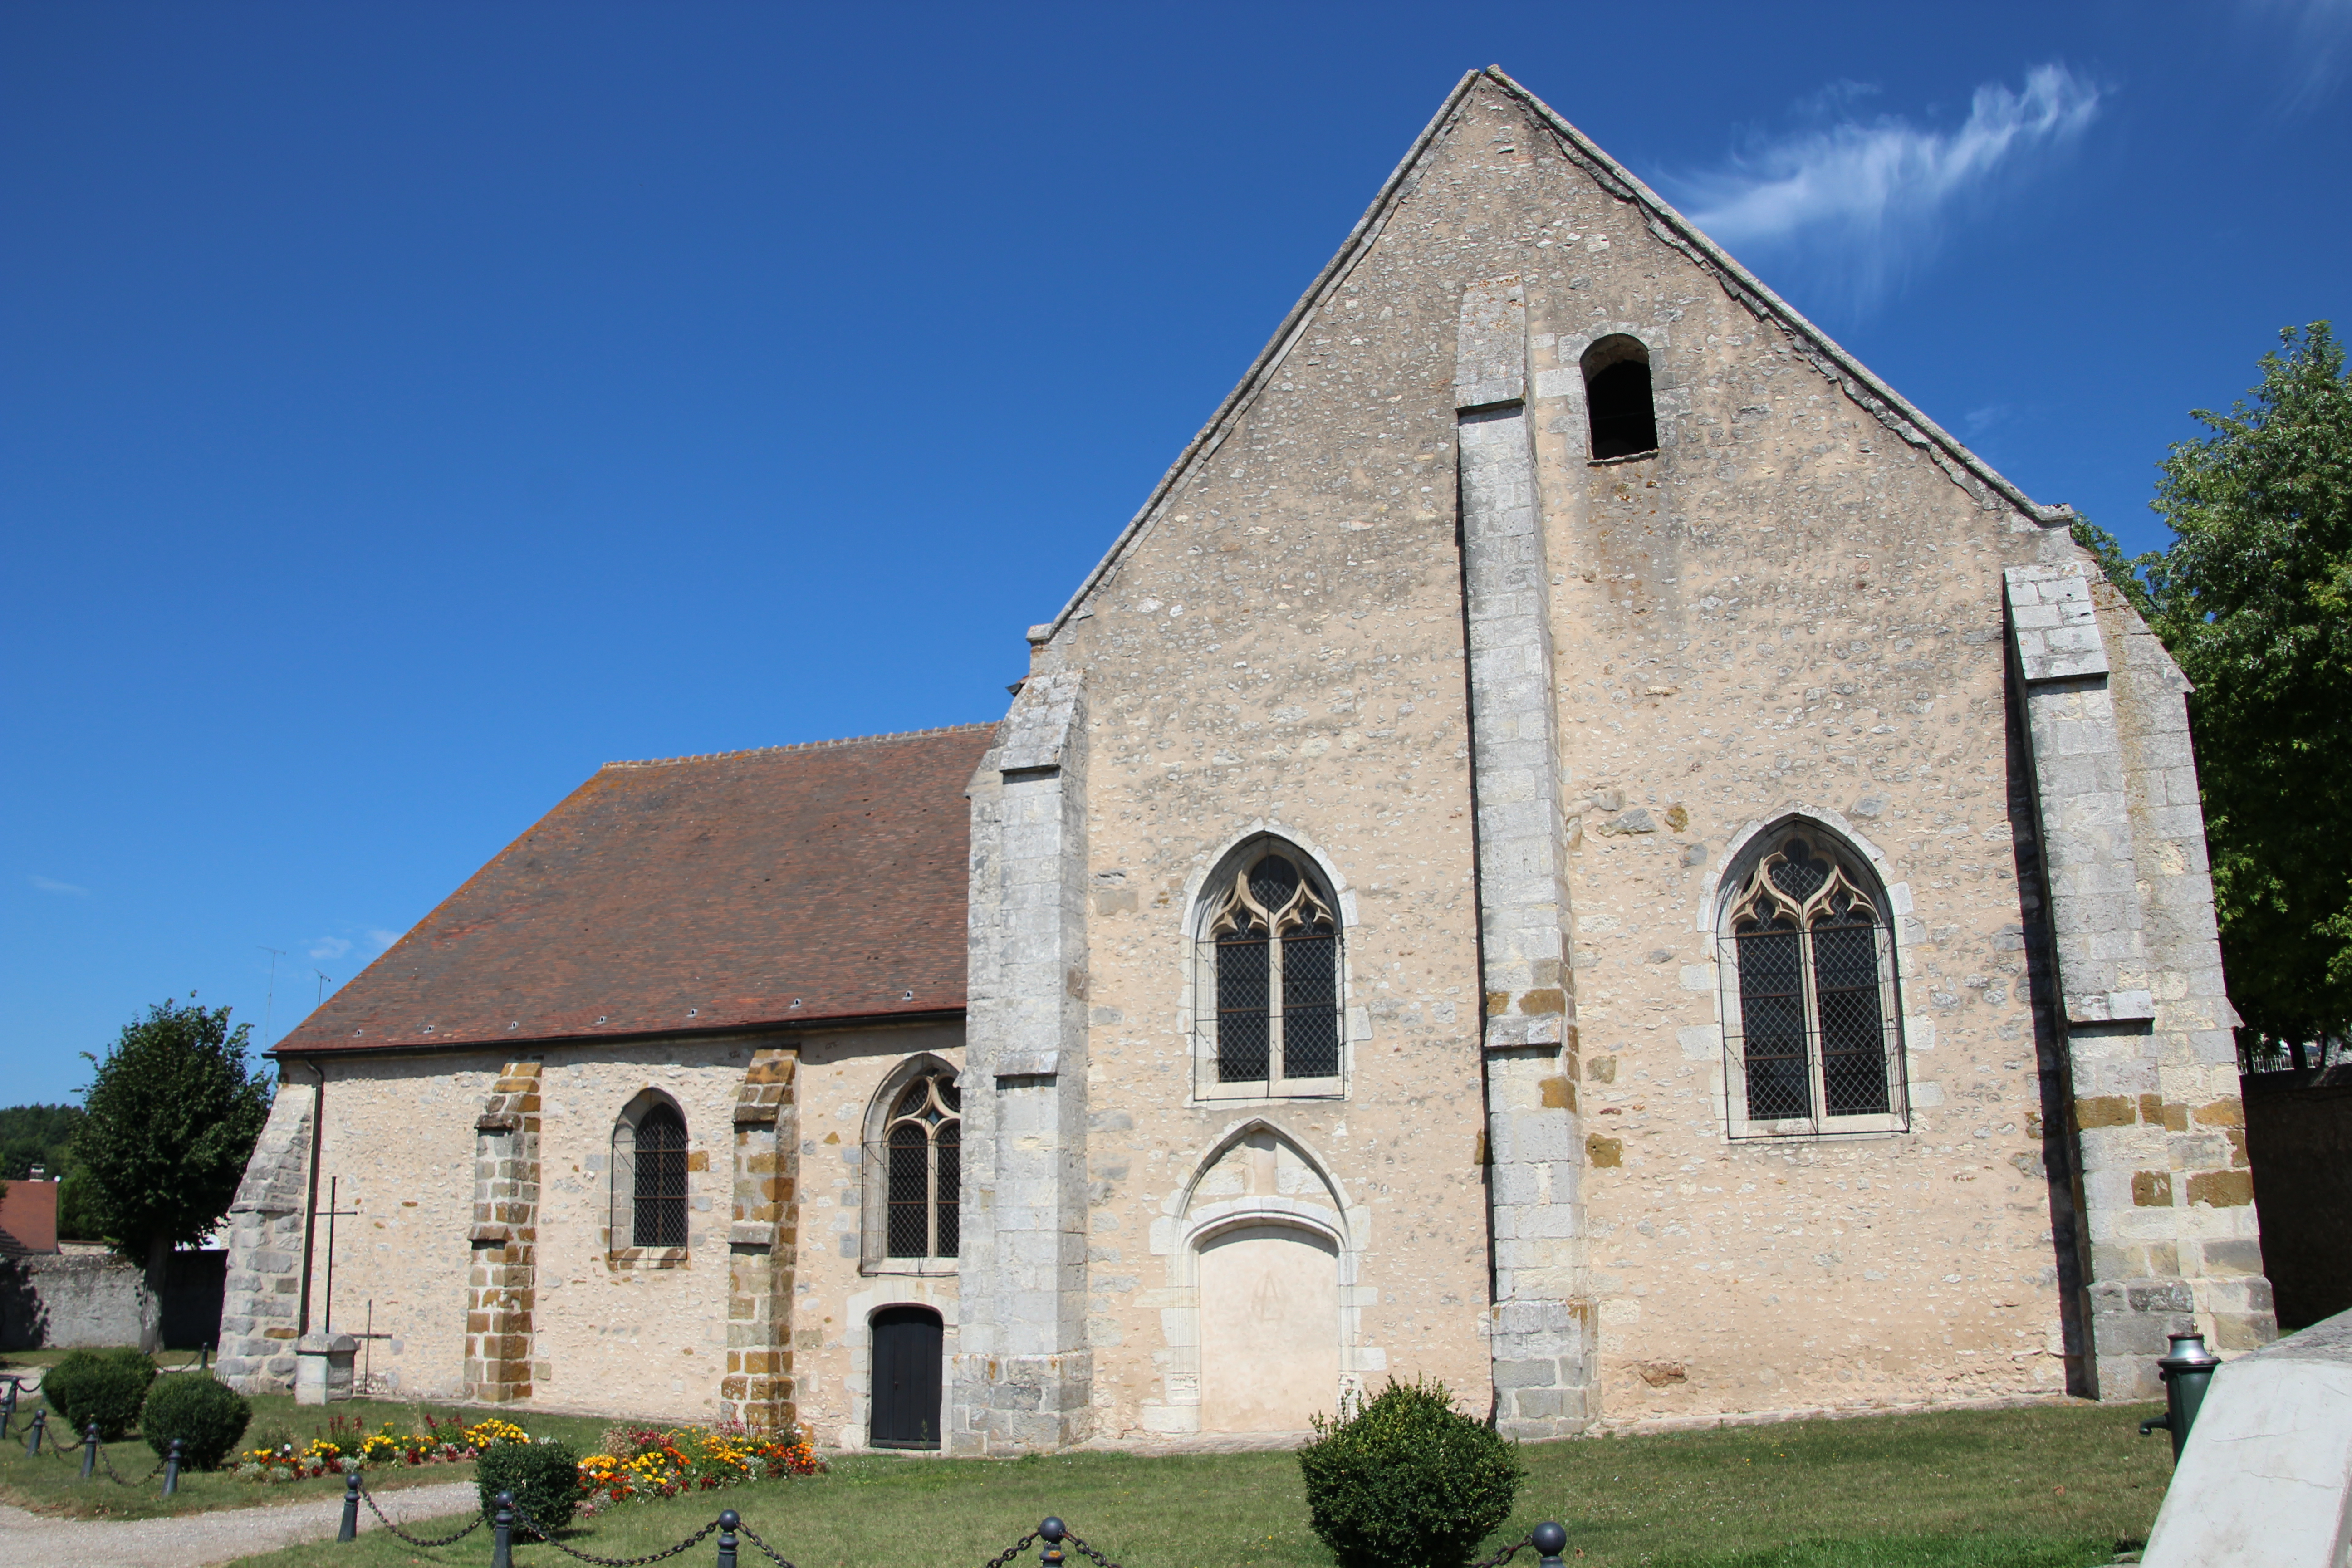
(1085, 1551)
(1509, 1552)
(751, 1535)
(1015, 1550)
(525, 1520)
(479, 1521)
(117, 1479)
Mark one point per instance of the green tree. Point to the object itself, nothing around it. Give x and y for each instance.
(2255, 599)
(34, 1135)
(169, 1122)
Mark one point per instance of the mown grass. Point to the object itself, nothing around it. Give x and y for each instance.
(53, 1486)
(2038, 1487)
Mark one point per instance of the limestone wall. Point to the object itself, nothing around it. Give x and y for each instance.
(1790, 609)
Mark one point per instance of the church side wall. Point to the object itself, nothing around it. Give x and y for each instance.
(836, 1291)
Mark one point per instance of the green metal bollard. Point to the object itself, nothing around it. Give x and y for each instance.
(33, 1436)
(1551, 1540)
(349, 1528)
(89, 1452)
(502, 1532)
(2188, 1371)
(172, 1469)
(1051, 1533)
(728, 1520)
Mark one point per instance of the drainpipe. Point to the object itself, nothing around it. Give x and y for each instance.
(310, 1204)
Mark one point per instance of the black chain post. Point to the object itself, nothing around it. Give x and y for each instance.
(1051, 1533)
(89, 1451)
(502, 1532)
(1551, 1540)
(349, 1528)
(8, 1407)
(172, 1469)
(385, 1520)
(32, 1439)
(728, 1520)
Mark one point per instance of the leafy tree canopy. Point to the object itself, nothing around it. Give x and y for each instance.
(2255, 599)
(169, 1120)
(34, 1135)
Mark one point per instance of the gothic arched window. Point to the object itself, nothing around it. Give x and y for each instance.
(922, 1154)
(1267, 987)
(1813, 1031)
(658, 1212)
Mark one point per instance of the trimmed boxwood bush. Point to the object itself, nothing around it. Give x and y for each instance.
(104, 1386)
(207, 1415)
(543, 1477)
(1408, 1481)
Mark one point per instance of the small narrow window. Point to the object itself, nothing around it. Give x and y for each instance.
(923, 1170)
(660, 1179)
(1617, 397)
(1814, 1034)
(1269, 982)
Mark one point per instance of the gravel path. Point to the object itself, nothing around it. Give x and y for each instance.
(198, 1540)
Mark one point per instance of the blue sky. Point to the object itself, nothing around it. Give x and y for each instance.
(404, 409)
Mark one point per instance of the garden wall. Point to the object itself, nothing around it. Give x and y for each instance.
(64, 1301)
(2299, 1138)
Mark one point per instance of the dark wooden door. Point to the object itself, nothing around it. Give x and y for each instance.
(907, 1345)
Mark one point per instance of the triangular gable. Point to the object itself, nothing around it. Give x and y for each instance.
(1824, 354)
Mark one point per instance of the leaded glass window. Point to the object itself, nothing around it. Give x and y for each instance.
(1813, 1038)
(922, 1168)
(1269, 980)
(658, 1210)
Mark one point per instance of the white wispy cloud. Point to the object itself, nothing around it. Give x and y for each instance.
(50, 885)
(382, 938)
(1869, 193)
(2318, 35)
(329, 946)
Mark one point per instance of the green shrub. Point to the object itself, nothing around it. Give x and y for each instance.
(104, 1386)
(208, 1417)
(543, 1477)
(1408, 1481)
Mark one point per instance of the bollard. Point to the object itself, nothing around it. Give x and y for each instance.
(502, 1532)
(8, 1407)
(349, 1528)
(1549, 1539)
(1051, 1533)
(2186, 1373)
(172, 1469)
(89, 1452)
(728, 1520)
(32, 1439)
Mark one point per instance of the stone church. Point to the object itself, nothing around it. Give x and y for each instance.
(1577, 845)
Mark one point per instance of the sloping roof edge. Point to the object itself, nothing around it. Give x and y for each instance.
(1890, 407)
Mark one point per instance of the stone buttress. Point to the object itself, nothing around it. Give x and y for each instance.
(1021, 1379)
(761, 1246)
(261, 1309)
(2159, 1127)
(502, 1286)
(1541, 1340)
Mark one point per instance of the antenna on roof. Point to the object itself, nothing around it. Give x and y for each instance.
(325, 980)
(270, 1002)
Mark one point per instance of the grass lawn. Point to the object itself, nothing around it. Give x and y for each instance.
(53, 1486)
(2040, 1488)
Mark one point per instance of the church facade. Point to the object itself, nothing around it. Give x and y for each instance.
(1577, 845)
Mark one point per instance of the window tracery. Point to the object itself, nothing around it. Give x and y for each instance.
(923, 1162)
(1268, 994)
(1813, 1038)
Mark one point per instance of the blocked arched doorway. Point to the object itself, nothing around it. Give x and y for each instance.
(1269, 1297)
(904, 1407)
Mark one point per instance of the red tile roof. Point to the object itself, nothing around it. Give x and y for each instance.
(797, 883)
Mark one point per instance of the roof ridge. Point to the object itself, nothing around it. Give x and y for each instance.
(1874, 396)
(801, 746)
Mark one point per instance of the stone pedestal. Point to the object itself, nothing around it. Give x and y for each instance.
(322, 1367)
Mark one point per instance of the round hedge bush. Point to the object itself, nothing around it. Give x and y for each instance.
(104, 1386)
(1408, 1481)
(543, 1477)
(207, 1415)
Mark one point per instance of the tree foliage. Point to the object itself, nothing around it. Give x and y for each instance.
(169, 1122)
(34, 1135)
(2255, 599)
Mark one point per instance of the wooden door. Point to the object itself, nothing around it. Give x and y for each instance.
(908, 1345)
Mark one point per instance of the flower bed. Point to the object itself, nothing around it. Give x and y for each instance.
(442, 1442)
(658, 1462)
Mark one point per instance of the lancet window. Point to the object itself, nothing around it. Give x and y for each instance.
(1269, 984)
(922, 1154)
(649, 1180)
(1813, 1038)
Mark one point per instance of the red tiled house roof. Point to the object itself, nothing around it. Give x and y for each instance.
(780, 886)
